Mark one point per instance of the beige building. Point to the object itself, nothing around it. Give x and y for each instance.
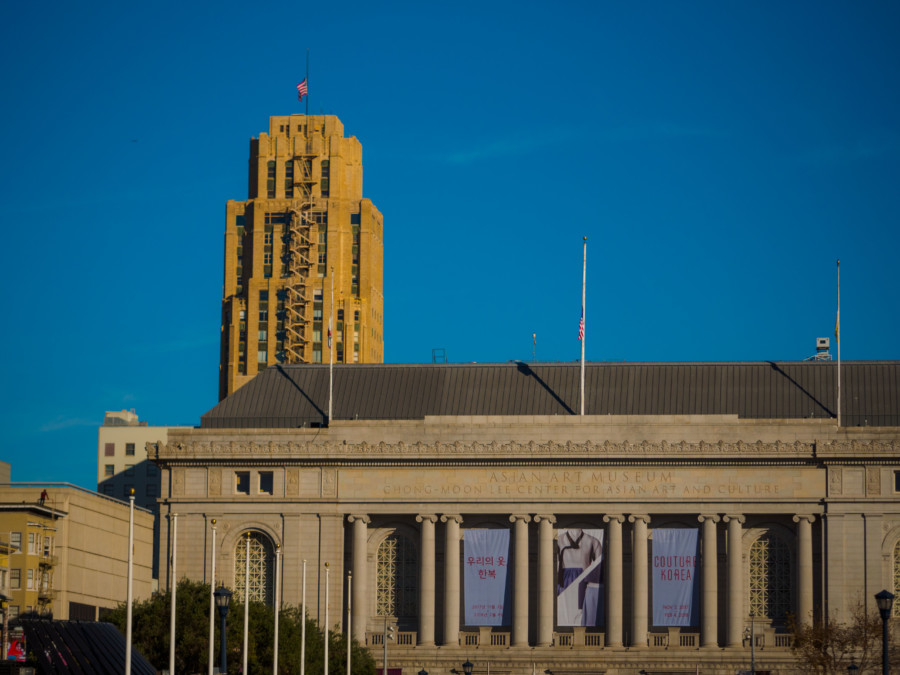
(791, 513)
(304, 230)
(69, 555)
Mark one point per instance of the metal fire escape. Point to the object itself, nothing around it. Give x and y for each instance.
(298, 239)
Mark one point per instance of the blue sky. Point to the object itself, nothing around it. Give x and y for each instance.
(718, 156)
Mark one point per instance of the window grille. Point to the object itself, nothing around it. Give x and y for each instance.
(896, 607)
(397, 580)
(770, 578)
(262, 568)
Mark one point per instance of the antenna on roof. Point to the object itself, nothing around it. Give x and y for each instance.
(439, 355)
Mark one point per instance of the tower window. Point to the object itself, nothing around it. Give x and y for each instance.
(270, 179)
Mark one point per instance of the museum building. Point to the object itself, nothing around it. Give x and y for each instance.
(693, 509)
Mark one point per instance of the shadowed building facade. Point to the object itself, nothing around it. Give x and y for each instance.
(791, 515)
(304, 227)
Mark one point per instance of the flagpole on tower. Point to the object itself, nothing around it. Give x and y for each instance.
(307, 85)
(581, 330)
(837, 336)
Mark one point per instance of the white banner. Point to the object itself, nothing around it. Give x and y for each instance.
(486, 563)
(675, 586)
(579, 578)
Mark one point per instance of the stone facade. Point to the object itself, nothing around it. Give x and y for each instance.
(302, 166)
(827, 496)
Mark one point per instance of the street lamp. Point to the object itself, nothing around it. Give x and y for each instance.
(223, 598)
(467, 667)
(884, 600)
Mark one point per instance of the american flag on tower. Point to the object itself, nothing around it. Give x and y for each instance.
(302, 90)
(581, 327)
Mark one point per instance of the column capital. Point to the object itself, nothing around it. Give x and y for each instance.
(738, 519)
(808, 517)
(353, 518)
(430, 517)
(704, 517)
(447, 517)
(635, 517)
(520, 516)
(550, 519)
(613, 518)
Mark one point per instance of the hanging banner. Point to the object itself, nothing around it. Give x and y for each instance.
(486, 562)
(675, 587)
(579, 578)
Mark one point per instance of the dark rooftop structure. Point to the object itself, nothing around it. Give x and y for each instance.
(297, 396)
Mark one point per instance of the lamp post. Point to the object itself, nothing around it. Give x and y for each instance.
(467, 667)
(885, 601)
(750, 634)
(223, 598)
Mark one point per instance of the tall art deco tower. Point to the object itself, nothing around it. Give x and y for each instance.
(304, 226)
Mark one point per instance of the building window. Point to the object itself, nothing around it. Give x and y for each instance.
(31, 547)
(109, 470)
(897, 481)
(262, 356)
(896, 570)
(270, 179)
(266, 482)
(151, 490)
(396, 581)
(151, 469)
(770, 578)
(129, 469)
(262, 567)
(108, 489)
(13, 611)
(289, 178)
(15, 540)
(29, 584)
(109, 449)
(325, 181)
(129, 449)
(46, 545)
(15, 579)
(242, 482)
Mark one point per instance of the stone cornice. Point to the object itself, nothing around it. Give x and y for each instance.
(857, 448)
(625, 450)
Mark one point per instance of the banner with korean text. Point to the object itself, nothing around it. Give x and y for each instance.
(579, 578)
(676, 588)
(486, 562)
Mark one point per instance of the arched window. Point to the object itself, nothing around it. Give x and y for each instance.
(896, 564)
(262, 568)
(770, 578)
(397, 580)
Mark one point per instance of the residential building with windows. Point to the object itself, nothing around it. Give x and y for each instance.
(785, 512)
(304, 229)
(68, 556)
(122, 463)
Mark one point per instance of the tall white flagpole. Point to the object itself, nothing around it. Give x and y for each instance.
(584, 330)
(326, 618)
(837, 336)
(349, 633)
(130, 590)
(277, 605)
(212, 598)
(246, 601)
(173, 589)
(303, 624)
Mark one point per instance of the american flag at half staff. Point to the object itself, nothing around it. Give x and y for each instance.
(302, 90)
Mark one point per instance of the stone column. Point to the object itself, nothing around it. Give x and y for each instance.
(451, 579)
(427, 574)
(640, 597)
(804, 568)
(360, 575)
(614, 581)
(546, 585)
(735, 581)
(520, 582)
(709, 559)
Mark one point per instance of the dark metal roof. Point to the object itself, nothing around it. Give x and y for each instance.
(80, 647)
(297, 396)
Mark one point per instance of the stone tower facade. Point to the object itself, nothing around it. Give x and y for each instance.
(304, 230)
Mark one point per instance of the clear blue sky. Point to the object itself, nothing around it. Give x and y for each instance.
(718, 156)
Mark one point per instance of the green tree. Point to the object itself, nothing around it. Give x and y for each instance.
(150, 629)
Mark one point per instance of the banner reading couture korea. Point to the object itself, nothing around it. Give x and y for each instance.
(675, 587)
(579, 579)
(486, 562)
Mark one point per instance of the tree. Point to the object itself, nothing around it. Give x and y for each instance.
(827, 648)
(150, 635)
